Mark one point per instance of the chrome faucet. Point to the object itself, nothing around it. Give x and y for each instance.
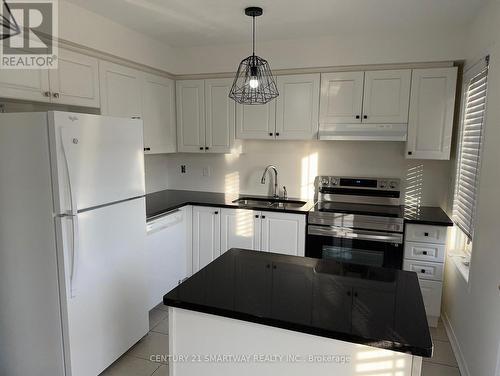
(263, 180)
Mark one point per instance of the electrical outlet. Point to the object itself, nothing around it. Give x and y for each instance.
(206, 171)
(183, 169)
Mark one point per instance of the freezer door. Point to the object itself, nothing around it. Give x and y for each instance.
(96, 160)
(105, 295)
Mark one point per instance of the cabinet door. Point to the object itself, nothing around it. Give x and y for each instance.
(158, 114)
(386, 96)
(120, 90)
(431, 293)
(27, 84)
(256, 122)
(240, 228)
(432, 104)
(283, 233)
(220, 117)
(341, 97)
(297, 107)
(190, 96)
(206, 236)
(76, 80)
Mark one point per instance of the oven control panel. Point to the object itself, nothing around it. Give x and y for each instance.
(390, 184)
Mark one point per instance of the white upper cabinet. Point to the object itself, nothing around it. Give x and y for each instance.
(190, 96)
(120, 90)
(240, 228)
(75, 82)
(341, 97)
(28, 84)
(297, 107)
(206, 236)
(219, 115)
(256, 122)
(386, 96)
(158, 113)
(432, 106)
(283, 233)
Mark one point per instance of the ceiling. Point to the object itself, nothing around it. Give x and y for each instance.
(185, 23)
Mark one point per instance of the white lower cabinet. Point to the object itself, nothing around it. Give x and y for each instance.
(206, 236)
(283, 233)
(425, 255)
(216, 230)
(240, 228)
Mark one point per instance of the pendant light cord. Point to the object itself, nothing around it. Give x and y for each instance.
(253, 40)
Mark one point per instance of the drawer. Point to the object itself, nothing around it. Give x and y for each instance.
(426, 234)
(431, 293)
(424, 269)
(425, 251)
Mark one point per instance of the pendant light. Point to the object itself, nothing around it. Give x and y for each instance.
(254, 82)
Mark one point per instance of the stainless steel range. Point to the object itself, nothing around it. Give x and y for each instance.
(357, 220)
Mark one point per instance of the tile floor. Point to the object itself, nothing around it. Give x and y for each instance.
(136, 362)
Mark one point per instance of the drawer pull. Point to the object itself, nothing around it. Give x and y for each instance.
(422, 271)
(424, 253)
(426, 234)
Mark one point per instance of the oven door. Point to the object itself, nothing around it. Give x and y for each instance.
(374, 248)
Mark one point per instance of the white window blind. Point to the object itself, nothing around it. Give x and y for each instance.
(469, 153)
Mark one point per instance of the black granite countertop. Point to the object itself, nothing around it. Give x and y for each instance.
(426, 215)
(161, 202)
(354, 303)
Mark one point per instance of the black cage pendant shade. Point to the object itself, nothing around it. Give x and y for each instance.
(254, 82)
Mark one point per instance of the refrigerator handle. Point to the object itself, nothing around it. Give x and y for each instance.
(67, 139)
(74, 259)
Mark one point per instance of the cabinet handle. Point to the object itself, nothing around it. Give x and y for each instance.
(136, 117)
(206, 147)
(46, 93)
(216, 212)
(271, 134)
(263, 216)
(357, 116)
(274, 267)
(410, 153)
(268, 266)
(422, 271)
(426, 234)
(424, 253)
(256, 216)
(147, 149)
(348, 293)
(277, 133)
(201, 147)
(355, 294)
(365, 116)
(55, 95)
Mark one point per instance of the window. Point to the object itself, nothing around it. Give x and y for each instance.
(469, 152)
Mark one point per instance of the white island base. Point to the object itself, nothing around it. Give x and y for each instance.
(208, 345)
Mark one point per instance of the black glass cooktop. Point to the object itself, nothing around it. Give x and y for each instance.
(355, 303)
(363, 209)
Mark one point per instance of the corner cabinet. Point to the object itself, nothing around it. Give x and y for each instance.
(127, 92)
(205, 116)
(216, 230)
(294, 115)
(432, 106)
(75, 82)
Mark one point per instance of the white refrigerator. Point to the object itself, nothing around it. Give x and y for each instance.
(73, 294)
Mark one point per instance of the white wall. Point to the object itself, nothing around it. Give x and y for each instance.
(89, 29)
(473, 308)
(299, 162)
(349, 49)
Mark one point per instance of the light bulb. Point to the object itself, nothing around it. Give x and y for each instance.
(254, 83)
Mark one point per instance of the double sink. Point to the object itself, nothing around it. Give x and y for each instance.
(269, 202)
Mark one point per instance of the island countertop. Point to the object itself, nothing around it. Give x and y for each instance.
(359, 304)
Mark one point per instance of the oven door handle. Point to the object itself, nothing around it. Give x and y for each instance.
(340, 232)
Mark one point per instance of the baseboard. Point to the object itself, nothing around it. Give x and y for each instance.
(462, 364)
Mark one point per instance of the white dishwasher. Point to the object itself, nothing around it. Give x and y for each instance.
(166, 249)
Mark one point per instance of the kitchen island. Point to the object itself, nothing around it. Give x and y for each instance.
(259, 313)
